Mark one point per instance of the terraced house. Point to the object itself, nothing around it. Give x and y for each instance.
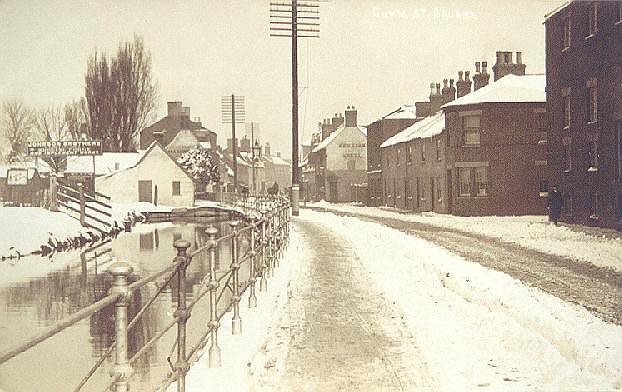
(584, 101)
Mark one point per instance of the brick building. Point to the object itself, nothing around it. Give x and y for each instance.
(414, 167)
(339, 160)
(176, 120)
(584, 102)
(496, 140)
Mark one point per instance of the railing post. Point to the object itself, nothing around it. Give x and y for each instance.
(182, 313)
(82, 204)
(263, 282)
(271, 250)
(236, 322)
(122, 370)
(252, 299)
(214, 350)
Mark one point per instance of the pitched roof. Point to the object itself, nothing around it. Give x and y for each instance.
(106, 163)
(510, 88)
(146, 153)
(426, 128)
(557, 10)
(403, 112)
(324, 143)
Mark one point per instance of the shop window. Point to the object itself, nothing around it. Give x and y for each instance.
(351, 164)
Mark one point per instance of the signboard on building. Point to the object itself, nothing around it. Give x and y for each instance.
(17, 176)
(65, 148)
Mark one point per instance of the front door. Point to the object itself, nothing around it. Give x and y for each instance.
(332, 191)
(145, 191)
(432, 193)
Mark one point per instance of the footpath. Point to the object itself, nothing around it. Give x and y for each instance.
(360, 306)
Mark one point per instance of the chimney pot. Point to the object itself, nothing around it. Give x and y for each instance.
(460, 75)
(444, 83)
(438, 89)
(451, 82)
(466, 75)
(519, 57)
(477, 69)
(499, 57)
(484, 67)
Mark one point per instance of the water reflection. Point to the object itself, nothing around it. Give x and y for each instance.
(43, 300)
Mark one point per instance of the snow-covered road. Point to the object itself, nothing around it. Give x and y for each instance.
(597, 288)
(369, 308)
(475, 328)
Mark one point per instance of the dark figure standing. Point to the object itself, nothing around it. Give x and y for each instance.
(554, 205)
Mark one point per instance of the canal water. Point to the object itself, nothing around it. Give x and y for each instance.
(36, 293)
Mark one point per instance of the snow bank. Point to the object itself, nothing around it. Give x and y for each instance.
(478, 328)
(27, 228)
(533, 232)
(249, 356)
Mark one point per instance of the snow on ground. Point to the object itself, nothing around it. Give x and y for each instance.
(27, 228)
(532, 232)
(481, 329)
(249, 355)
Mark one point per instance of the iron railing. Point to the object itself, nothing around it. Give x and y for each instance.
(265, 229)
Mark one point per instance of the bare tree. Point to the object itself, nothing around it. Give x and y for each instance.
(51, 124)
(121, 95)
(16, 125)
(77, 119)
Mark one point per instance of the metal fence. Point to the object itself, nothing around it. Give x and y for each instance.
(264, 232)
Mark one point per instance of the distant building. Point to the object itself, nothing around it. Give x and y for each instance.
(155, 178)
(187, 140)
(584, 102)
(339, 160)
(176, 120)
(21, 185)
(277, 170)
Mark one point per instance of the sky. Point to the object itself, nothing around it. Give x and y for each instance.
(373, 54)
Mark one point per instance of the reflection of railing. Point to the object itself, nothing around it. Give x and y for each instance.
(266, 232)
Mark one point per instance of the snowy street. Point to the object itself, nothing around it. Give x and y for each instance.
(372, 308)
(586, 280)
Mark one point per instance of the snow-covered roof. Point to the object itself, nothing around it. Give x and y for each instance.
(322, 145)
(557, 10)
(510, 88)
(18, 165)
(403, 112)
(426, 128)
(106, 163)
(276, 160)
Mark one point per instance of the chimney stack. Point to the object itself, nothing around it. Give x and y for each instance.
(174, 108)
(436, 99)
(480, 79)
(185, 111)
(266, 150)
(446, 92)
(350, 116)
(463, 86)
(506, 66)
(452, 91)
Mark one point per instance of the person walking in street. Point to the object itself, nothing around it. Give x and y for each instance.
(554, 205)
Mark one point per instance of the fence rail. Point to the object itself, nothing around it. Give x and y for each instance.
(266, 230)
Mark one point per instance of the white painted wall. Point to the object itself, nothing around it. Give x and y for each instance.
(336, 158)
(156, 166)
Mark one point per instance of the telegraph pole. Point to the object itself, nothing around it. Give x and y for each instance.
(308, 13)
(233, 110)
